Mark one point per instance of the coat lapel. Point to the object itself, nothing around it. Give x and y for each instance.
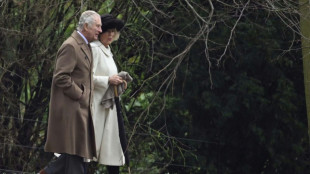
(87, 52)
(105, 50)
(83, 46)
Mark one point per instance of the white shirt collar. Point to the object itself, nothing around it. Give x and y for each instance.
(83, 37)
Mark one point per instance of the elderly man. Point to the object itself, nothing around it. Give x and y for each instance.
(70, 128)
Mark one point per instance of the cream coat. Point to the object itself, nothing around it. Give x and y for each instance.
(109, 150)
(70, 127)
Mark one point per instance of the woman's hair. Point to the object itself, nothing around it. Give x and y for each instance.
(87, 17)
(116, 36)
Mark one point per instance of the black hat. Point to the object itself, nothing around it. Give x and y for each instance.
(108, 21)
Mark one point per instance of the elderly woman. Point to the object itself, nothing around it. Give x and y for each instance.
(105, 75)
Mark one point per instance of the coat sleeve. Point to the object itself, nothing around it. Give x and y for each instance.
(65, 64)
(99, 80)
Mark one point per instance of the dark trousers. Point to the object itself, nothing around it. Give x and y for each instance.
(66, 164)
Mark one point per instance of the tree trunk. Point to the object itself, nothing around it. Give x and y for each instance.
(305, 39)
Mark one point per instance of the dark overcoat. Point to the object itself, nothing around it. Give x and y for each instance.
(70, 127)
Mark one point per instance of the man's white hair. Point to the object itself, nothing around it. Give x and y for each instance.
(87, 17)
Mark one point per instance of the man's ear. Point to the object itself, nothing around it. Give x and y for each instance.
(85, 27)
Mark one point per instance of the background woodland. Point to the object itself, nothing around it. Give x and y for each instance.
(218, 84)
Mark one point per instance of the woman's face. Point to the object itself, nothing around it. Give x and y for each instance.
(107, 37)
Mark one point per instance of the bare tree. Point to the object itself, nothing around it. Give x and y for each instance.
(156, 43)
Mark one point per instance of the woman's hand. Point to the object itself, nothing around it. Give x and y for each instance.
(115, 80)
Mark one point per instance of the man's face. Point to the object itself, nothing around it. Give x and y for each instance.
(92, 31)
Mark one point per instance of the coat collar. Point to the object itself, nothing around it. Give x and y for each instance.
(105, 50)
(84, 47)
(84, 38)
